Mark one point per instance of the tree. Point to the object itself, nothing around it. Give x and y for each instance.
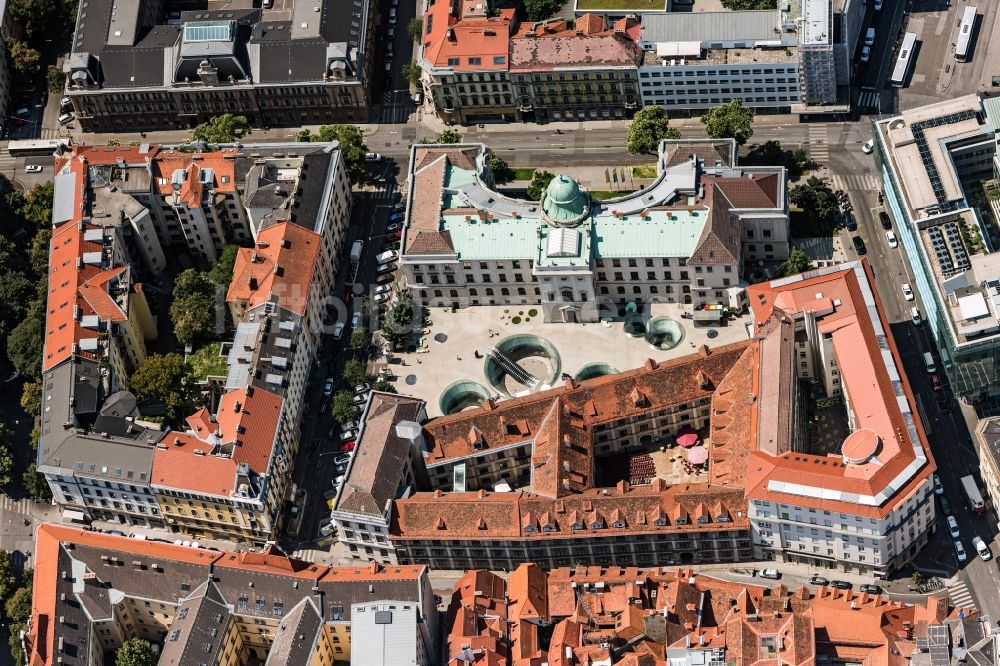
(37, 208)
(411, 72)
(34, 16)
(815, 198)
(352, 146)
(385, 386)
(502, 173)
(354, 372)
(23, 58)
(797, 262)
(539, 181)
(8, 581)
(221, 271)
(415, 28)
(917, 579)
(342, 408)
(539, 10)
(396, 323)
(729, 121)
(222, 129)
(24, 347)
(18, 606)
(135, 652)
(359, 338)
(163, 377)
(33, 438)
(194, 308)
(770, 153)
(35, 484)
(734, 5)
(38, 255)
(445, 136)
(16, 292)
(55, 80)
(6, 466)
(303, 135)
(649, 127)
(31, 398)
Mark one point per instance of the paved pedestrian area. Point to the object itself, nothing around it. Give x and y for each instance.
(455, 345)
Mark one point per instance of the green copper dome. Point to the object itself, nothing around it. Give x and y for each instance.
(564, 203)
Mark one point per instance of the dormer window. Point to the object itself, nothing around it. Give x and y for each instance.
(530, 528)
(722, 519)
(578, 526)
(549, 528)
(597, 525)
(702, 520)
(660, 522)
(682, 521)
(620, 524)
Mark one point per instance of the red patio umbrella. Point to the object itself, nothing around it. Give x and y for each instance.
(697, 455)
(687, 437)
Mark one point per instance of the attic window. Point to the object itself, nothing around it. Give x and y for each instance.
(530, 528)
(619, 524)
(577, 526)
(597, 524)
(453, 62)
(722, 519)
(549, 527)
(702, 520)
(475, 61)
(660, 522)
(499, 60)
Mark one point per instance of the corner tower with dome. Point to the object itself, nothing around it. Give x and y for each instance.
(691, 237)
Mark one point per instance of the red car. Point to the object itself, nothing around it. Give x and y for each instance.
(347, 446)
(936, 384)
(347, 295)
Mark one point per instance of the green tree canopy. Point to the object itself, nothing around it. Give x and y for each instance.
(342, 408)
(24, 347)
(359, 338)
(18, 606)
(35, 484)
(55, 80)
(354, 372)
(411, 72)
(38, 255)
(35, 16)
(16, 293)
(649, 127)
(8, 580)
(815, 198)
(163, 377)
(31, 398)
(222, 270)
(415, 28)
(193, 310)
(502, 173)
(396, 322)
(222, 129)
(352, 146)
(6, 465)
(385, 386)
(23, 58)
(135, 652)
(303, 135)
(797, 262)
(447, 136)
(738, 5)
(37, 208)
(729, 121)
(539, 10)
(539, 181)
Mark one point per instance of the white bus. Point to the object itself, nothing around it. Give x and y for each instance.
(965, 34)
(36, 147)
(903, 60)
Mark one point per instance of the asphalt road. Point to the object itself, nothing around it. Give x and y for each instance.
(945, 424)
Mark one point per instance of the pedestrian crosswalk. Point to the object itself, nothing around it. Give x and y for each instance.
(960, 595)
(855, 182)
(819, 148)
(870, 99)
(8, 504)
(311, 555)
(7, 163)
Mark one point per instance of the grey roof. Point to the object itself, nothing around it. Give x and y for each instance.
(740, 26)
(989, 436)
(124, 455)
(211, 584)
(380, 457)
(296, 635)
(62, 198)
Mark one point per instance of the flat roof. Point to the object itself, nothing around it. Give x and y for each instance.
(740, 26)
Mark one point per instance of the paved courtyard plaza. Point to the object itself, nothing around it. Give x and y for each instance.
(455, 345)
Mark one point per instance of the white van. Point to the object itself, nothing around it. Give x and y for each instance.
(981, 548)
(915, 316)
(870, 37)
(929, 363)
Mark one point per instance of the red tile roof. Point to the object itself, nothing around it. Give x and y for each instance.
(551, 45)
(455, 32)
(183, 462)
(249, 417)
(278, 269)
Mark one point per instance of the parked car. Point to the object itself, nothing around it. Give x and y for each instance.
(382, 288)
(360, 398)
(818, 580)
(385, 278)
(372, 157)
(381, 298)
(945, 506)
(347, 446)
(849, 221)
(866, 53)
(347, 427)
(362, 388)
(960, 551)
(907, 291)
(890, 238)
(33, 168)
(64, 102)
(393, 226)
(841, 584)
(387, 257)
(773, 574)
(399, 205)
(338, 330)
(355, 321)
(859, 245)
(342, 459)
(326, 529)
(915, 316)
(953, 527)
(938, 488)
(385, 269)
(868, 146)
(394, 217)
(871, 588)
(981, 548)
(65, 118)
(390, 244)
(328, 387)
(936, 384)
(883, 218)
